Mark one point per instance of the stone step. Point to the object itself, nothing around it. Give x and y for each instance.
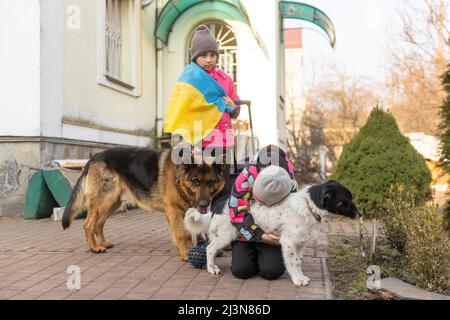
(392, 288)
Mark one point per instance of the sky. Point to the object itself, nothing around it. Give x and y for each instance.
(361, 29)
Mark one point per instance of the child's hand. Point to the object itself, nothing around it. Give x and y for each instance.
(228, 101)
(235, 113)
(270, 239)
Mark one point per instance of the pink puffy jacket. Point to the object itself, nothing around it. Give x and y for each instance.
(225, 139)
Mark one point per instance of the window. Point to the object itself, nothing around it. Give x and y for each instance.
(119, 45)
(113, 37)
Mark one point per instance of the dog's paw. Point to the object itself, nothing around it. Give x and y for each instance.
(98, 249)
(214, 270)
(107, 245)
(301, 281)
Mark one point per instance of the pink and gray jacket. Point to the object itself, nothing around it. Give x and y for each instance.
(242, 197)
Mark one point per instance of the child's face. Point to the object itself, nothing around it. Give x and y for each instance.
(207, 61)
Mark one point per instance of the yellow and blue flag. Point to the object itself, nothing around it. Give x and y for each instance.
(195, 106)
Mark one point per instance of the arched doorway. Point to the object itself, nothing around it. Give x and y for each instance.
(228, 47)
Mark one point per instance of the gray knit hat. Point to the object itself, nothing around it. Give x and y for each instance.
(203, 41)
(272, 185)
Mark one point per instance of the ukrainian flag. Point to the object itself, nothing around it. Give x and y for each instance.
(195, 106)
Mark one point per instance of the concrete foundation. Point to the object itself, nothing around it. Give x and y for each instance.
(20, 158)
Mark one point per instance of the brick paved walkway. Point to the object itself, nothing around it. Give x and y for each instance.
(35, 254)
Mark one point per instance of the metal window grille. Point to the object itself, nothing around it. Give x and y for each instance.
(113, 38)
(227, 62)
(227, 50)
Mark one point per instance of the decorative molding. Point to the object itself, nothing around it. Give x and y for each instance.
(86, 124)
(12, 139)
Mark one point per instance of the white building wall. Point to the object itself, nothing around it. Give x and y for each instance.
(20, 68)
(98, 106)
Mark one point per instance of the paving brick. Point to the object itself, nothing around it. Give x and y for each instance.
(54, 295)
(225, 293)
(321, 254)
(112, 293)
(166, 293)
(78, 297)
(190, 295)
(136, 296)
(168, 297)
(6, 294)
(34, 256)
(25, 296)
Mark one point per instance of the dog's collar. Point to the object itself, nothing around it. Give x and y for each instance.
(315, 215)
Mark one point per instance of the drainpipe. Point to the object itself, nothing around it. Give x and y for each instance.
(159, 79)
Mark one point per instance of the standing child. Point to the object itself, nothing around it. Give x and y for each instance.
(205, 53)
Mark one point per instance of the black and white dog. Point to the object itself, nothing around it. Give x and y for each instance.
(296, 220)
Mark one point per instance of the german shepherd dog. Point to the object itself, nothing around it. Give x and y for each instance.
(146, 178)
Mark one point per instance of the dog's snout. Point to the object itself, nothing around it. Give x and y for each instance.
(357, 214)
(204, 203)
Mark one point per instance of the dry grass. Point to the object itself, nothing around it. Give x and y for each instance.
(348, 270)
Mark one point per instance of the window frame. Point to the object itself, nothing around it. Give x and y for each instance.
(134, 88)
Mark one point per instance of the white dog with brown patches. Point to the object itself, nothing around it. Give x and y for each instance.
(296, 220)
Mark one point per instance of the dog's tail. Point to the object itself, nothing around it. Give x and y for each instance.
(76, 201)
(196, 223)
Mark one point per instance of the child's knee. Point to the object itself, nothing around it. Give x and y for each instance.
(272, 272)
(243, 271)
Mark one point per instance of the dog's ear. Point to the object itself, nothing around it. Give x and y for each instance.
(327, 193)
(186, 167)
(220, 162)
(186, 164)
(220, 166)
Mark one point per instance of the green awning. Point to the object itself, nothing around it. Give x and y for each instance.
(175, 8)
(306, 12)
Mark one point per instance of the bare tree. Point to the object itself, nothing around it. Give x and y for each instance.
(333, 110)
(417, 58)
(347, 101)
(305, 138)
(305, 125)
